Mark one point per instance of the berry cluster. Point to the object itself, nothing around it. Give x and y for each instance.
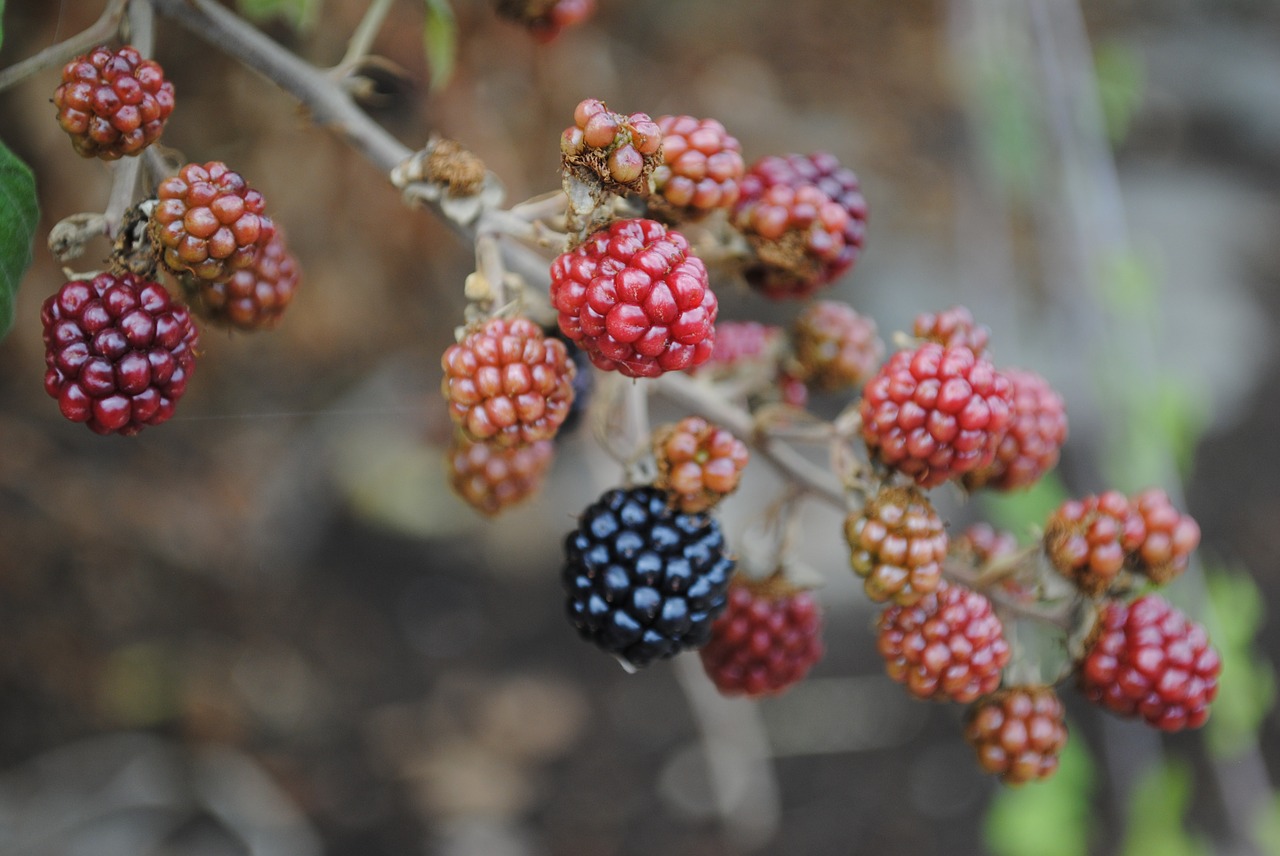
(701, 171)
(766, 640)
(113, 104)
(620, 151)
(698, 463)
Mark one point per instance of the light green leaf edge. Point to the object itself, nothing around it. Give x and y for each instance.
(440, 41)
(19, 214)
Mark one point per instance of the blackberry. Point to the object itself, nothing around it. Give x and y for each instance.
(113, 104)
(1018, 733)
(254, 298)
(645, 581)
(797, 235)
(1031, 442)
(491, 479)
(619, 152)
(1171, 538)
(897, 543)
(834, 347)
(701, 169)
(1088, 540)
(698, 462)
(208, 222)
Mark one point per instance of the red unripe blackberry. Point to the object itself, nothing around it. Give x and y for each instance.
(954, 326)
(1018, 733)
(636, 300)
(834, 347)
(699, 463)
(254, 298)
(935, 413)
(797, 234)
(546, 18)
(507, 384)
(739, 342)
(490, 478)
(765, 641)
(701, 169)
(1148, 659)
(1088, 539)
(825, 171)
(208, 222)
(1033, 439)
(1171, 537)
(897, 544)
(982, 543)
(949, 646)
(118, 352)
(113, 104)
(618, 151)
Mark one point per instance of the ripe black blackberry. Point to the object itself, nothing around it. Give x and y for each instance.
(645, 582)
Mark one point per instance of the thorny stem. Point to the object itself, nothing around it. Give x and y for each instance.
(99, 31)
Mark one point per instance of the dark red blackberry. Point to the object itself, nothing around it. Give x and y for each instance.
(766, 640)
(113, 104)
(636, 300)
(1088, 540)
(254, 298)
(1031, 443)
(644, 581)
(119, 352)
(1171, 537)
(1148, 659)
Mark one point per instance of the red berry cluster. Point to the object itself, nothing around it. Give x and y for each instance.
(546, 18)
(492, 478)
(618, 150)
(1030, 444)
(701, 170)
(954, 326)
(834, 347)
(113, 104)
(698, 463)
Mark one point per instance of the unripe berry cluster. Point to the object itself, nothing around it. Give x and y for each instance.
(619, 150)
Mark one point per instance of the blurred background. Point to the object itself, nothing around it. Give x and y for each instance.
(268, 628)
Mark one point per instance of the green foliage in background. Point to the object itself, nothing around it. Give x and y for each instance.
(1024, 512)
(301, 14)
(440, 41)
(1051, 818)
(19, 213)
(1247, 687)
(1122, 80)
(1160, 801)
(1011, 136)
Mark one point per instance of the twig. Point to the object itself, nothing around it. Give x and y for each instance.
(362, 39)
(99, 31)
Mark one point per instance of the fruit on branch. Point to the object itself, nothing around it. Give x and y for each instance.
(491, 478)
(1033, 439)
(118, 352)
(1018, 733)
(546, 18)
(645, 581)
(1088, 540)
(797, 236)
(897, 543)
(1170, 538)
(506, 383)
(208, 222)
(838, 182)
(617, 151)
(701, 169)
(935, 412)
(954, 326)
(113, 103)
(739, 342)
(766, 640)
(699, 463)
(982, 543)
(949, 646)
(1148, 659)
(636, 300)
(254, 298)
(834, 347)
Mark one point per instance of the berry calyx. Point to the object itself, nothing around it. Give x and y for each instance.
(118, 351)
(1088, 540)
(643, 580)
(1148, 659)
(949, 646)
(701, 169)
(898, 544)
(935, 412)
(834, 347)
(254, 298)
(797, 235)
(618, 151)
(491, 478)
(698, 463)
(507, 384)
(766, 640)
(1031, 443)
(113, 104)
(1171, 538)
(1018, 733)
(954, 326)
(208, 222)
(636, 300)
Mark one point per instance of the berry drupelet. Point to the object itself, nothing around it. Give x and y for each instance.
(644, 581)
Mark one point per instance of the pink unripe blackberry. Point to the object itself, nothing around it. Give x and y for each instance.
(766, 640)
(935, 413)
(949, 646)
(507, 384)
(636, 300)
(113, 104)
(118, 352)
(1031, 442)
(1148, 659)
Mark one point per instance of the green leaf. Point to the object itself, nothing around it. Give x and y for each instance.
(18, 216)
(1021, 512)
(1156, 812)
(440, 41)
(301, 14)
(1122, 78)
(1051, 818)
